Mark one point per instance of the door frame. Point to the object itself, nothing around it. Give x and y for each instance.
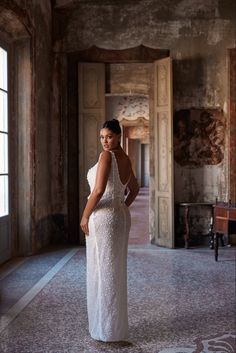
(137, 123)
(139, 54)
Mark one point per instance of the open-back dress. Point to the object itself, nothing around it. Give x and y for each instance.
(106, 250)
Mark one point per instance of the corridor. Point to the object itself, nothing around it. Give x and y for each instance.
(139, 210)
(179, 301)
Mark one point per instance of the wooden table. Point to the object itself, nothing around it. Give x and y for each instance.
(187, 206)
(224, 222)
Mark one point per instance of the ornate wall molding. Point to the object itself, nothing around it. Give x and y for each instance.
(140, 53)
(163, 151)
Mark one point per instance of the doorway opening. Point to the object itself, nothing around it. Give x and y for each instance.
(95, 70)
(132, 111)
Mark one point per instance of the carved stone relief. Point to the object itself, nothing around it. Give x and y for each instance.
(163, 178)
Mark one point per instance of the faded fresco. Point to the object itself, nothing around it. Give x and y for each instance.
(129, 107)
(199, 137)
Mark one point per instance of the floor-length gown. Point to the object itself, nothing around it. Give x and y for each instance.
(106, 248)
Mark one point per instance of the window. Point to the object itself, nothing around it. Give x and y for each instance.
(4, 177)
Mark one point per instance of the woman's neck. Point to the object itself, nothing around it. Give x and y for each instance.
(117, 149)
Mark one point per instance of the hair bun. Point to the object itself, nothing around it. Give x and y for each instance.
(113, 125)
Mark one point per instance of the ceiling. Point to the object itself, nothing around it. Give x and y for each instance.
(11, 25)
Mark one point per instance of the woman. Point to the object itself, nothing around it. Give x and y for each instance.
(106, 224)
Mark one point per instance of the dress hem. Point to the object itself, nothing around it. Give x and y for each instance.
(110, 340)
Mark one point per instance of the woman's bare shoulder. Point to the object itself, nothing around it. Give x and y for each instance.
(105, 157)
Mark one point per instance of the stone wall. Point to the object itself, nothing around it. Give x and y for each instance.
(197, 33)
(27, 26)
(49, 202)
(42, 18)
(232, 137)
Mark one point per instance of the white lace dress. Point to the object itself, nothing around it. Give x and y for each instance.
(106, 248)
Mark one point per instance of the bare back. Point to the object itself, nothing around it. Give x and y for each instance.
(124, 166)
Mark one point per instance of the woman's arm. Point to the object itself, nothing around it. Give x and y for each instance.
(103, 170)
(133, 189)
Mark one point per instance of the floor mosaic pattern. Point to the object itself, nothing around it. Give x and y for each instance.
(180, 301)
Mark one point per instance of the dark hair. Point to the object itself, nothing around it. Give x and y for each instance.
(112, 125)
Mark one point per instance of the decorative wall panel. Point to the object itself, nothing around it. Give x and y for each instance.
(91, 116)
(163, 178)
(163, 153)
(162, 85)
(91, 138)
(92, 88)
(164, 228)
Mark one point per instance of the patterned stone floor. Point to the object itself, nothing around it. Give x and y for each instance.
(180, 301)
(139, 232)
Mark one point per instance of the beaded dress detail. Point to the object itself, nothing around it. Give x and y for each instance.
(106, 248)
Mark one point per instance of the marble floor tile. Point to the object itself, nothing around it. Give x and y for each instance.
(18, 276)
(180, 301)
(139, 232)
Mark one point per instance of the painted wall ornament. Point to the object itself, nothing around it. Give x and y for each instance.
(130, 107)
(199, 137)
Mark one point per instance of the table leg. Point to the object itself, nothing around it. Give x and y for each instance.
(186, 235)
(216, 245)
(211, 234)
(211, 230)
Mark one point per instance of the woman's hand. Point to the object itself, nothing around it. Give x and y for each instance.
(84, 225)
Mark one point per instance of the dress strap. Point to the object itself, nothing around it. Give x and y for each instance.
(113, 167)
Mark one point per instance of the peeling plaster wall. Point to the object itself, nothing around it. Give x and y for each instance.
(232, 137)
(129, 78)
(197, 33)
(41, 16)
(38, 13)
(49, 207)
(49, 221)
(43, 68)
